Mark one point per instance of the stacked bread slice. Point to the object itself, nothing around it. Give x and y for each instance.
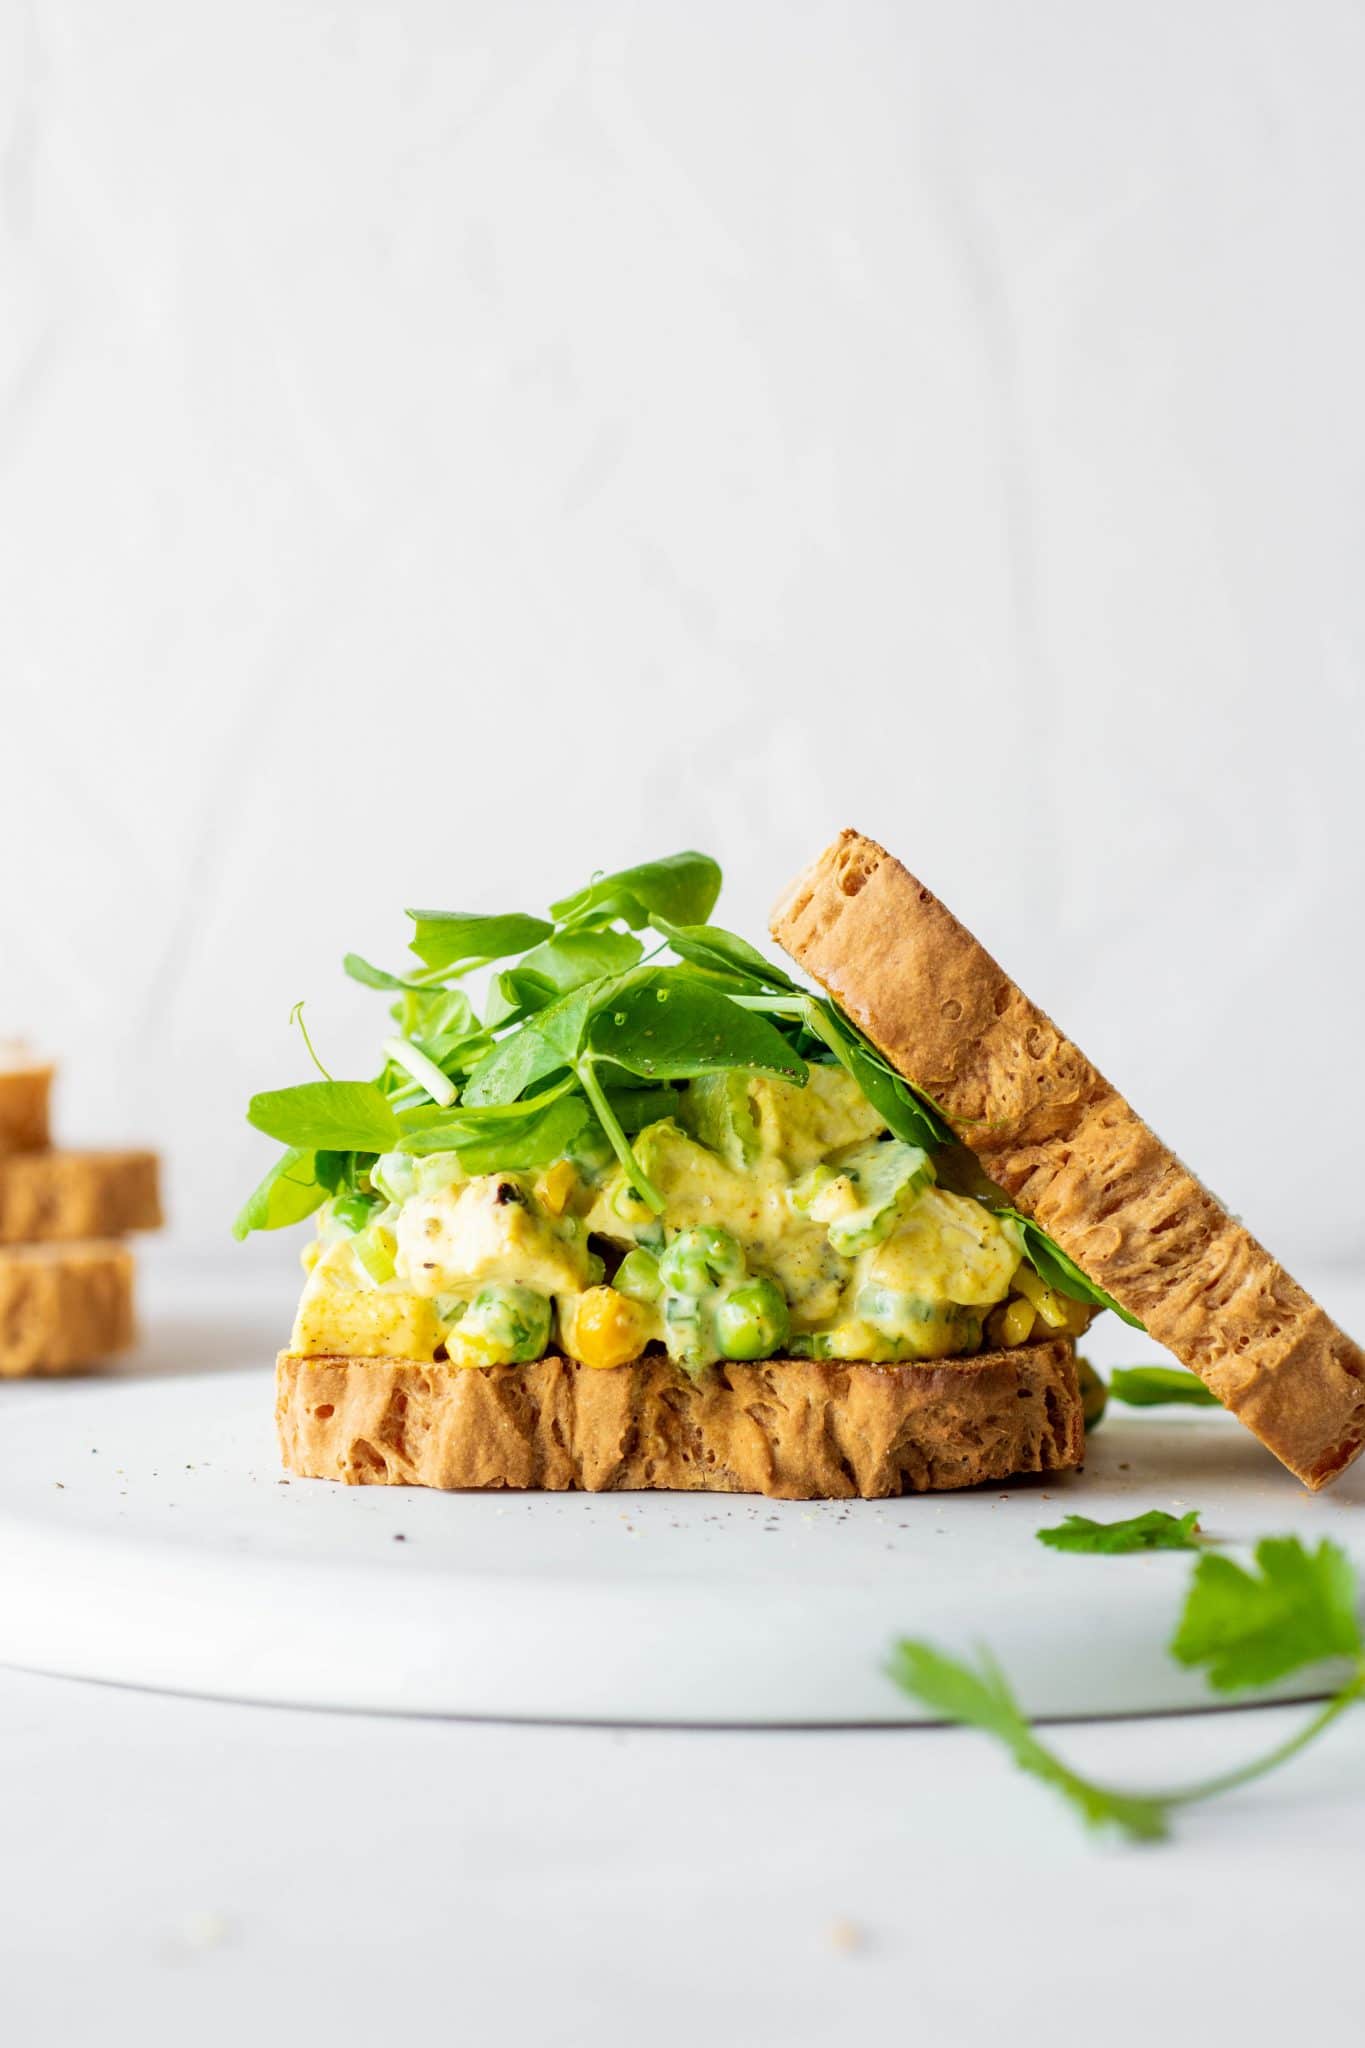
(66, 1278)
(1074, 1155)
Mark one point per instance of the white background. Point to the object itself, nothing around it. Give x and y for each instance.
(445, 449)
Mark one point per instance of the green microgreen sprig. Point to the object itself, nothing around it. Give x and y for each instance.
(1243, 1627)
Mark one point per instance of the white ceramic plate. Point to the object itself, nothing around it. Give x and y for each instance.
(149, 1537)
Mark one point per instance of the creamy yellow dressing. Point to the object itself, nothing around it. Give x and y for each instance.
(751, 1202)
(872, 1259)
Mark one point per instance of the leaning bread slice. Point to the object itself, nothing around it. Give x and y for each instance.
(795, 1429)
(52, 1196)
(63, 1307)
(1071, 1153)
(25, 1090)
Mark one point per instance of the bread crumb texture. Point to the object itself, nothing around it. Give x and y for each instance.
(1070, 1151)
(792, 1429)
(63, 1196)
(63, 1307)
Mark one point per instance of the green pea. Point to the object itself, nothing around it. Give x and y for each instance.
(687, 1337)
(638, 1276)
(353, 1212)
(752, 1321)
(902, 1315)
(512, 1322)
(700, 1259)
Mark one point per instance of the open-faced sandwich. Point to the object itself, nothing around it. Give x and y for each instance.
(664, 1218)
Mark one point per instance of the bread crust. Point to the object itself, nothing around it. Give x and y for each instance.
(1071, 1152)
(63, 1307)
(25, 1095)
(793, 1429)
(63, 1196)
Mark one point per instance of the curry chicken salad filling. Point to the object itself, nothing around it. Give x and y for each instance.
(794, 1224)
(645, 1144)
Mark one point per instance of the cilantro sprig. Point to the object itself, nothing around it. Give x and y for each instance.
(1155, 1530)
(1242, 1627)
(593, 1013)
(1247, 1628)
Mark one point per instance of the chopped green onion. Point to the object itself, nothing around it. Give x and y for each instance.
(374, 1249)
(413, 1061)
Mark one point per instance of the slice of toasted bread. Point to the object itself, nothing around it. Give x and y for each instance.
(1069, 1151)
(63, 1306)
(25, 1092)
(51, 1196)
(790, 1428)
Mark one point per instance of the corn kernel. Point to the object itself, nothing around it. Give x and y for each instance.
(554, 1187)
(1027, 1283)
(1016, 1325)
(607, 1329)
(1051, 1307)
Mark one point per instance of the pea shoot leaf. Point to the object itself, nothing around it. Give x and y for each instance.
(1155, 1530)
(515, 996)
(538, 1048)
(906, 1115)
(682, 888)
(334, 1170)
(1244, 1628)
(373, 977)
(573, 958)
(571, 961)
(437, 1013)
(511, 1068)
(340, 1116)
(422, 1011)
(494, 1142)
(1159, 1386)
(722, 952)
(444, 938)
(289, 1192)
(634, 1108)
(664, 1025)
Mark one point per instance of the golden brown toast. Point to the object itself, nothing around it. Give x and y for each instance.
(51, 1196)
(1070, 1151)
(794, 1429)
(63, 1307)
